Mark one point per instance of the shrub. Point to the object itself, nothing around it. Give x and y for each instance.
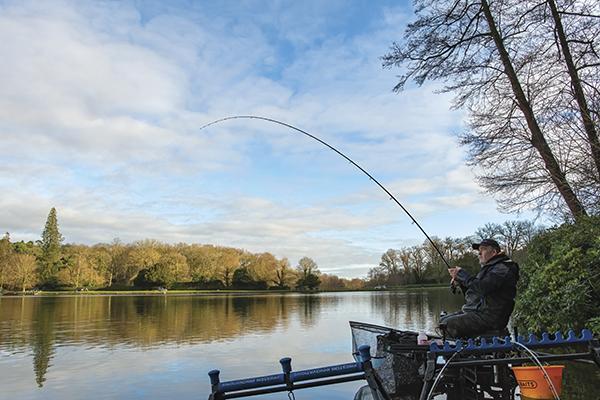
(560, 279)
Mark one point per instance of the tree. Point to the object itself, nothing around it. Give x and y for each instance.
(437, 270)
(468, 261)
(202, 261)
(284, 275)
(417, 261)
(511, 235)
(490, 230)
(264, 267)
(228, 260)
(515, 235)
(22, 247)
(308, 274)
(578, 91)
(170, 268)
(100, 257)
(142, 255)
(242, 279)
(355, 284)
(376, 277)
(310, 282)
(560, 280)
(118, 254)
(501, 60)
(21, 272)
(51, 250)
(78, 269)
(6, 253)
(307, 266)
(332, 282)
(392, 267)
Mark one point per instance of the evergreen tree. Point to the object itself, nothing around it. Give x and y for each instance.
(6, 251)
(51, 251)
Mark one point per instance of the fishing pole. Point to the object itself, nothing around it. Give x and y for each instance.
(392, 197)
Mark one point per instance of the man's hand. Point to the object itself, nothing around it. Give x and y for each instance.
(453, 273)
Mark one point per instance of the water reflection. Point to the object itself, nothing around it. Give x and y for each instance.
(145, 320)
(80, 336)
(414, 310)
(311, 309)
(42, 340)
(38, 324)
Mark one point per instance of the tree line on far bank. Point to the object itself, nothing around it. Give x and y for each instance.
(49, 264)
(422, 264)
(559, 286)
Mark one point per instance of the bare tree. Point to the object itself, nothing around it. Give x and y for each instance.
(490, 230)
(308, 273)
(284, 274)
(22, 272)
(307, 266)
(513, 80)
(418, 263)
(515, 235)
(391, 265)
(511, 235)
(578, 91)
(377, 277)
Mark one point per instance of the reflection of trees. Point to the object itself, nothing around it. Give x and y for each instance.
(401, 309)
(309, 310)
(40, 324)
(140, 320)
(29, 323)
(42, 338)
(143, 320)
(154, 320)
(418, 309)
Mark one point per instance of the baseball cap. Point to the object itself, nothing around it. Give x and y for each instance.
(487, 242)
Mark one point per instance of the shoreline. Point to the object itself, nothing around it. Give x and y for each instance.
(70, 293)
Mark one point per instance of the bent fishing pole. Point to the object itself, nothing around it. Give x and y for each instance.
(324, 143)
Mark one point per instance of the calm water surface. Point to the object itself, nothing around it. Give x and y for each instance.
(162, 347)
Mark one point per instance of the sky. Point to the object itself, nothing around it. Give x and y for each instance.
(101, 104)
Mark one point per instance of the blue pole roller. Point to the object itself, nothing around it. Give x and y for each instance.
(288, 377)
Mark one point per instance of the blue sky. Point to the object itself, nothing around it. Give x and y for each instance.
(100, 105)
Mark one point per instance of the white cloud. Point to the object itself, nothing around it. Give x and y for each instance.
(100, 105)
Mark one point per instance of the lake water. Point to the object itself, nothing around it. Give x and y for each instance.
(162, 347)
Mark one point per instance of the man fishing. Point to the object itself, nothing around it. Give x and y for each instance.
(489, 296)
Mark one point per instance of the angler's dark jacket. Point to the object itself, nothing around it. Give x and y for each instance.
(491, 293)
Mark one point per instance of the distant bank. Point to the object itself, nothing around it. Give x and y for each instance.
(203, 292)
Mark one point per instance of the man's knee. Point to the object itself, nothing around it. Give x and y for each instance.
(464, 325)
(449, 316)
(455, 328)
(447, 320)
